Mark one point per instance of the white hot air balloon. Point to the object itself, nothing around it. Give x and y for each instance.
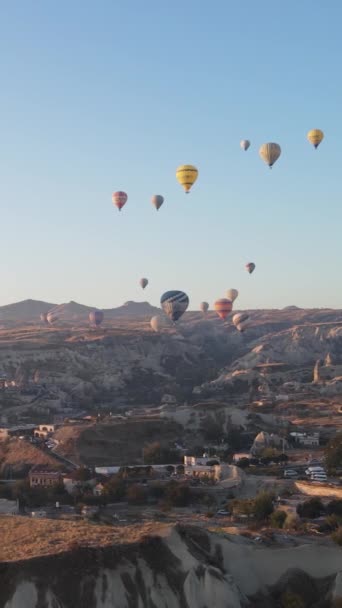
(232, 294)
(157, 323)
(244, 144)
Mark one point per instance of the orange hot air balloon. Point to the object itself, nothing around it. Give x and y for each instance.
(223, 307)
(119, 199)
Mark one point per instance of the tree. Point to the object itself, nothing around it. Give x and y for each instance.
(136, 495)
(277, 519)
(291, 600)
(310, 509)
(81, 474)
(334, 507)
(333, 453)
(115, 488)
(155, 453)
(243, 463)
(235, 439)
(177, 494)
(263, 505)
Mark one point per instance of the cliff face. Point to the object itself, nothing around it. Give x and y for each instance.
(184, 568)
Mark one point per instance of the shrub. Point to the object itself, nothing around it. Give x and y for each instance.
(209, 514)
(333, 452)
(334, 507)
(311, 509)
(263, 505)
(277, 519)
(291, 600)
(136, 495)
(243, 463)
(337, 536)
(291, 522)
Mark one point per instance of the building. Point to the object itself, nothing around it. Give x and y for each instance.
(44, 430)
(239, 455)
(306, 439)
(22, 430)
(202, 471)
(192, 461)
(199, 467)
(40, 477)
(9, 507)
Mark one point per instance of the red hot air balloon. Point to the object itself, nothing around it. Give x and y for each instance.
(223, 307)
(119, 199)
(96, 317)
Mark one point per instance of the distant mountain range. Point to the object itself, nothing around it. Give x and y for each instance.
(29, 310)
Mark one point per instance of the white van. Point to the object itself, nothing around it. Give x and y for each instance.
(319, 477)
(312, 470)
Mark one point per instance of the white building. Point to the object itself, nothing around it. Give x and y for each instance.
(306, 439)
(9, 507)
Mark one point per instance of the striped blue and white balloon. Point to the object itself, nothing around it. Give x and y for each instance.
(174, 304)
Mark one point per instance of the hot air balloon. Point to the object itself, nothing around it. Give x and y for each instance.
(52, 317)
(174, 304)
(119, 199)
(232, 294)
(223, 307)
(240, 317)
(241, 327)
(186, 176)
(143, 283)
(204, 307)
(157, 201)
(96, 317)
(43, 317)
(244, 144)
(250, 267)
(269, 153)
(315, 136)
(156, 323)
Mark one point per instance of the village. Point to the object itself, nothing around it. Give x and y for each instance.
(211, 484)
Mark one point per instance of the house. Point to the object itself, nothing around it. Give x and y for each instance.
(44, 478)
(204, 471)
(9, 507)
(239, 455)
(192, 461)
(306, 439)
(44, 430)
(22, 430)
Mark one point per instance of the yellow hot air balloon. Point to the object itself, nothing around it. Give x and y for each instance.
(315, 136)
(186, 176)
(269, 153)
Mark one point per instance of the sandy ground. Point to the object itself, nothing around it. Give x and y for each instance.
(318, 490)
(25, 538)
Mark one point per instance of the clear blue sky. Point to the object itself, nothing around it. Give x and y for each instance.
(115, 94)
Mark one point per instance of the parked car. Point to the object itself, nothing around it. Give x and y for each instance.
(292, 473)
(222, 512)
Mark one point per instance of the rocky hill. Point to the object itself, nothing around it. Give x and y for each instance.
(29, 311)
(125, 362)
(72, 565)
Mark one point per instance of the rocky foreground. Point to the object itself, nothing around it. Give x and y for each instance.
(72, 565)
